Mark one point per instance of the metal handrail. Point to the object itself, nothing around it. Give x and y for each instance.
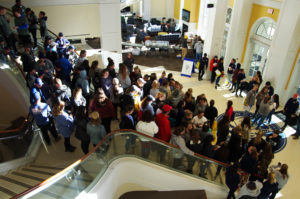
(76, 163)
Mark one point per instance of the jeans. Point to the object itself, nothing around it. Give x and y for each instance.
(198, 57)
(130, 142)
(145, 149)
(85, 146)
(218, 80)
(269, 117)
(261, 119)
(229, 76)
(33, 33)
(106, 123)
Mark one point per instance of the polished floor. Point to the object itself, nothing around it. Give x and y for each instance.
(59, 158)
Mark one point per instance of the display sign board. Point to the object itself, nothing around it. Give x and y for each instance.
(187, 67)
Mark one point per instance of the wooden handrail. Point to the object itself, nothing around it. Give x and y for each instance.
(95, 148)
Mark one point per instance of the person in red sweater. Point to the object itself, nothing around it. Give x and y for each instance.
(104, 107)
(164, 130)
(213, 67)
(229, 110)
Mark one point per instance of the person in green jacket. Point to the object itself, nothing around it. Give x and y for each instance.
(6, 31)
(33, 20)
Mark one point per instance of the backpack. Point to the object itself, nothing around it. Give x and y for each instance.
(97, 80)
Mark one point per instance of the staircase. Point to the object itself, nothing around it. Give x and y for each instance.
(26, 177)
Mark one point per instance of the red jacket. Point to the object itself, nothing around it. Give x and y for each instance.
(106, 111)
(229, 113)
(212, 61)
(164, 127)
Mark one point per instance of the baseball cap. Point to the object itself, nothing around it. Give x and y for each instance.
(60, 34)
(39, 82)
(36, 96)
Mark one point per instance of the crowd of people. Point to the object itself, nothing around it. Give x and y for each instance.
(68, 94)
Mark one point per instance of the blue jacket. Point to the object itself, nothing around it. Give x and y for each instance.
(40, 113)
(83, 83)
(64, 124)
(106, 83)
(33, 90)
(66, 67)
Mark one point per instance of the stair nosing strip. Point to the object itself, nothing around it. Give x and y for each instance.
(46, 167)
(28, 176)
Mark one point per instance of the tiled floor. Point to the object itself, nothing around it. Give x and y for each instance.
(220, 95)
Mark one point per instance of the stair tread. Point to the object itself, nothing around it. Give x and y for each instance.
(12, 180)
(3, 194)
(23, 179)
(39, 171)
(13, 188)
(46, 167)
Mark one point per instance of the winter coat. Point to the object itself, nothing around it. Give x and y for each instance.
(164, 127)
(83, 83)
(64, 123)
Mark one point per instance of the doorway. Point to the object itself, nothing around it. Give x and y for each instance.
(259, 59)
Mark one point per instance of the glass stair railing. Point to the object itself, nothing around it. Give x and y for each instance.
(83, 174)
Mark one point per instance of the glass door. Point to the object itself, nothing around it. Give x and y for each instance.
(259, 59)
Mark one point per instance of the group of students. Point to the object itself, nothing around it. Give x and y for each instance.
(25, 22)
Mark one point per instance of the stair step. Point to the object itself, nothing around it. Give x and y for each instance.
(3, 195)
(11, 188)
(28, 176)
(46, 167)
(28, 181)
(16, 182)
(39, 171)
(7, 192)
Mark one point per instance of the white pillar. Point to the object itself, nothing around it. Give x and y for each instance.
(147, 9)
(215, 27)
(283, 50)
(238, 30)
(110, 26)
(170, 9)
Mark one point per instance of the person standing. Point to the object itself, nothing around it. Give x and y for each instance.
(199, 50)
(164, 129)
(43, 25)
(94, 129)
(211, 112)
(129, 61)
(229, 110)
(41, 113)
(232, 180)
(19, 7)
(250, 99)
(62, 44)
(230, 71)
(33, 20)
(282, 177)
(213, 67)
(290, 110)
(6, 31)
(21, 25)
(64, 123)
(234, 76)
(220, 71)
(81, 121)
(203, 66)
(184, 46)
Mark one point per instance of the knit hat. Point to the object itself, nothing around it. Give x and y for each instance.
(167, 108)
(94, 115)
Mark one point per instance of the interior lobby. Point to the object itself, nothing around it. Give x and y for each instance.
(261, 35)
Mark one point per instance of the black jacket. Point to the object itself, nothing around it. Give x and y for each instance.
(291, 106)
(126, 123)
(211, 113)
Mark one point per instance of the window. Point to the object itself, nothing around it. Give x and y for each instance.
(266, 29)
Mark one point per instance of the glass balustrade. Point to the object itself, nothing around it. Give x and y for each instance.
(86, 172)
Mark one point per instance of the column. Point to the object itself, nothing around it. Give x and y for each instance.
(215, 27)
(110, 26)
(147, 9)
(284, 51)
(241, 14)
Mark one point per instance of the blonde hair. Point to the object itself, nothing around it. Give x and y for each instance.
(95, 118)
(58, 109)
(187, 112)
(155, 84)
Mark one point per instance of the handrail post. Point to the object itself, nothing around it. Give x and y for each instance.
(38, 130)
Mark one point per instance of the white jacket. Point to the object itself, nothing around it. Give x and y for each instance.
(149, 129)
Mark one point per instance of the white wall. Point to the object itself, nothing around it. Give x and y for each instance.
(133, 171)
(73, 19)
